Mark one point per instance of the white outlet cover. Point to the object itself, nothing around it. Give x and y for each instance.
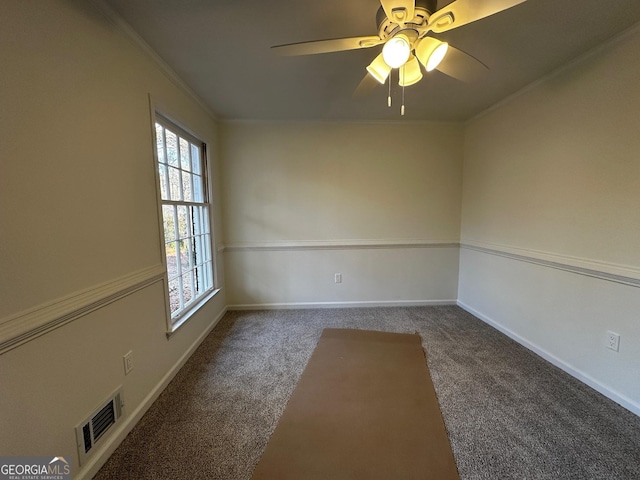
(128, 362)
(613, 341)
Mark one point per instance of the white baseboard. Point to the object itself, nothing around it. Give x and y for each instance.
(365, 304)
(574, 372)
(102, 455)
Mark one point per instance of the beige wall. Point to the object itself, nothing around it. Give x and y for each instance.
(321, 193)
(341, 181)
(78, 211)
(554, 175)
(562, 159)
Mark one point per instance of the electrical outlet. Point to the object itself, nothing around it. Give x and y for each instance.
(128, 362)
(338, 278)
(613, 341)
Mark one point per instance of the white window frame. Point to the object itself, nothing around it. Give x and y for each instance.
(204, 239)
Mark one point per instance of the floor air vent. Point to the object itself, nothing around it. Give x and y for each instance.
(90, 432)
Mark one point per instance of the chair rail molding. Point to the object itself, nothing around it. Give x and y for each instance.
(623, 274)
(350, 244)
(26, 325)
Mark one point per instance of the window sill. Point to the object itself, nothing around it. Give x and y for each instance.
(192, 311)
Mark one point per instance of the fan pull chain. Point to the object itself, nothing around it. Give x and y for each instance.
(402, 107)
(389, 97)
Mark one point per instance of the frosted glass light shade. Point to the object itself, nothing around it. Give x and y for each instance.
(410, 73)
(431, 52)
(396, 51)
(378, 69)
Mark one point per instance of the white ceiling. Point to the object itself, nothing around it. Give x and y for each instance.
(220, 48)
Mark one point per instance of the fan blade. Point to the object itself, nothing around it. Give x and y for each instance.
(462, 66)
(462, 12)
(327, 46)
(366, 86)
(399, 11)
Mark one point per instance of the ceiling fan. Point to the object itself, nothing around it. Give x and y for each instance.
(403, 30)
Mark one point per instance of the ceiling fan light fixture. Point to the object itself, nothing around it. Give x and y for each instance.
(396, 51)
(431, 52)
(378, 69)
(410, 73)
(437, 56)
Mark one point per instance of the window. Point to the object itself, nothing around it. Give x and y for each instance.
(184, 199)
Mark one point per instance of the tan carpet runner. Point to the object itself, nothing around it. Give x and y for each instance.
(364, 408)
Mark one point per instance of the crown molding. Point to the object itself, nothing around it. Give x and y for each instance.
(164, 67)
(556, 73)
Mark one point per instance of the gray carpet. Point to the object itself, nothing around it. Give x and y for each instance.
(509, 414)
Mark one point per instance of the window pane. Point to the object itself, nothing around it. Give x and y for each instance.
(172, 262)
(162, 175)
(172, 147)
(198, 247)
(202, 249)
(198, 283)
(160, 143)
(187, 287)
(185, 158)
(192, 220)
(185, 256)
(183, 222)
(208, 277)
(195, 159)
(174, 295)
(205, 220)
(196, 213)
(186, 186)
(207, 248)
(197, 251)
(174, 184)
(197, 189)
(168, 220)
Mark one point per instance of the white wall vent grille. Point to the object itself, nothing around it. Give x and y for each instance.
(94, 427)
